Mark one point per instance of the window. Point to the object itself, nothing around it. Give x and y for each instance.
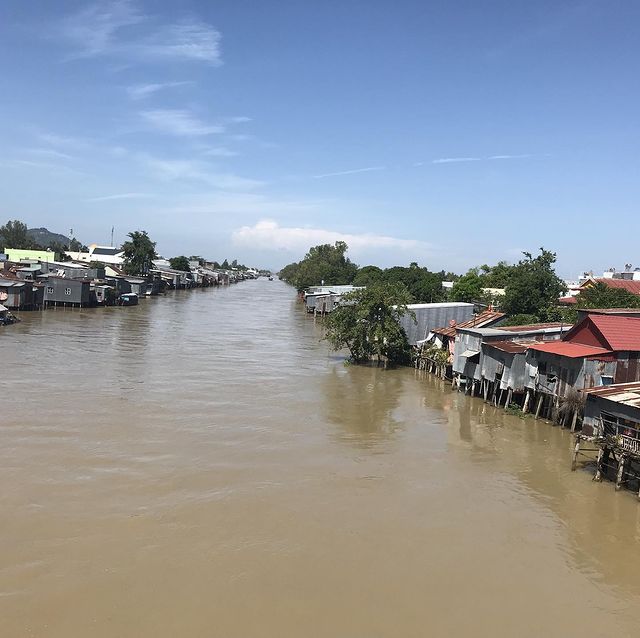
(49, 290)
(606, 380)
(542, 367)
(67, 291)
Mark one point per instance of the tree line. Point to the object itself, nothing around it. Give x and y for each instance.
(367, 323)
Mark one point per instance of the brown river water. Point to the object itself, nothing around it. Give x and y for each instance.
(201, 466)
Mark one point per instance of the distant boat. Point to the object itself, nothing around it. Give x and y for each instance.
(128, 299)
(270, 278)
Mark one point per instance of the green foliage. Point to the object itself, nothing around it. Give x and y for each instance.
(368, 275)
(180, 263)
(367, 324)
(497, 276)
(599, 295)
(323, 263)
(14, 235)
(423, 286)
(98, 265)
(468, 288)
(139, 253)
(533, 287)
(520, 320)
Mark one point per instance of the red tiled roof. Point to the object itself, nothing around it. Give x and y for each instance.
(479, 321)
(621, 333)
(568, 349)
(630, 285)
(567, 301)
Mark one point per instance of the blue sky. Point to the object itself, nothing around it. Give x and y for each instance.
(448, 133)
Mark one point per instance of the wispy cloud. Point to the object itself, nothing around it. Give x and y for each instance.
(367, 169)
(451, 160)
(268, 235)
(117, 196)
(219, 151)
(179, 122)
(142, 91)
(508, 157)
(195, 171)
(48, 152)
(63, 141)
(106, 28)
(94, 29)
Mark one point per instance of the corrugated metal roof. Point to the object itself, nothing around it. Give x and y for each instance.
(512, 347)
(630, 285)
(626, 393)
(568, 349)
(536, 326)
(621, 333)
(479, 321)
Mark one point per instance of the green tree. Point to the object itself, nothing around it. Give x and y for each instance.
(468, 288)
(600, 295)
(533, 287)
(225, 265)
(139, 253)
(368, 275)
(180, 263)
(368, 323)
(323, 263)
(423, 286)
(14, 235)
(495, 276)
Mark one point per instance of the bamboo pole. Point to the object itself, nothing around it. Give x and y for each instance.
(539, 406)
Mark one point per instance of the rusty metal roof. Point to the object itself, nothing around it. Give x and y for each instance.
(568, 349)
(630, 285)
(482, 319)
(626, 393)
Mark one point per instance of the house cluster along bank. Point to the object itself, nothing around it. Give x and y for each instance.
(34, 280)
(584, 376)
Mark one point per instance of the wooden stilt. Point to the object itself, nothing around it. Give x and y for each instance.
(598, 475)
(500, 398)
(507, 402)
(576, 451)
(525, 407)
(539, 406)
(620, 472)
(486, 390)
(574, 422)
(495, 392)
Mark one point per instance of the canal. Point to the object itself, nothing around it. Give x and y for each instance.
(201, 465)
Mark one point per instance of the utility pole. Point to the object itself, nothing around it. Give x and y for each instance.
(112, 229)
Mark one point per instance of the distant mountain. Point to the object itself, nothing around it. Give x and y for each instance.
(45, 238)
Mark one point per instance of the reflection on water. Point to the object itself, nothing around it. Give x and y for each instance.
(361, 401)
(201, 465)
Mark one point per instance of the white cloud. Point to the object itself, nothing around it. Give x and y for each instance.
(142, 91)
(179, 122)
(105, 28)
(268, 235)
(367, 169)
(117, 196)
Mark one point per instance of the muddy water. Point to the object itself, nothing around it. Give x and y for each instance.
(200, 465)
